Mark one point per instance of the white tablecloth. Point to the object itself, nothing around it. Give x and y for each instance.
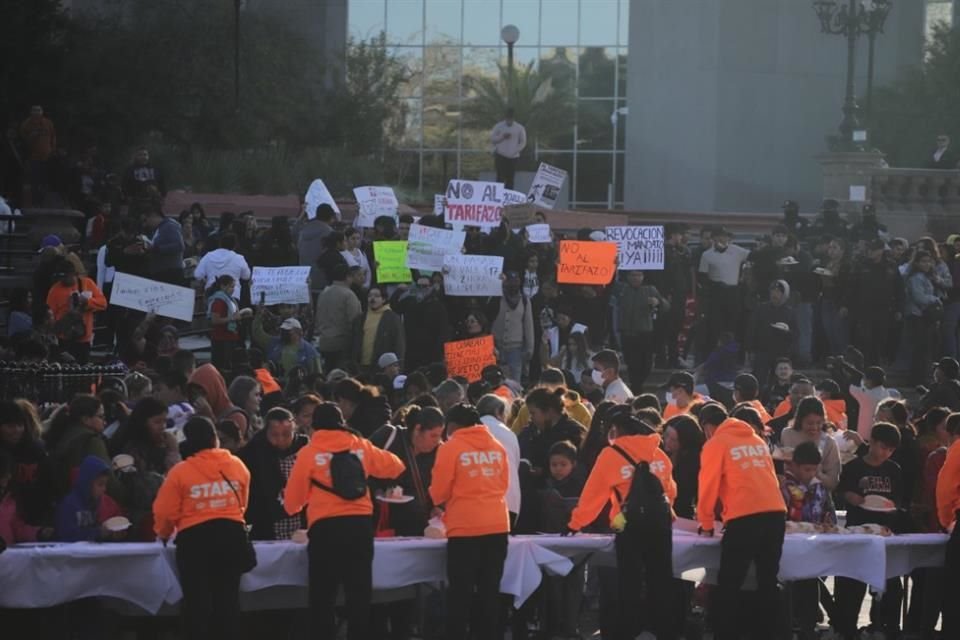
(145, 573)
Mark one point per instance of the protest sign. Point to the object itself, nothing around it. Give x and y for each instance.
(586, 262)
(477, 204)
(426, 246)
(520, 215)
(439, 204)
(465, 275)
(538, 233)
(140, 294)
(514, 197)
(280, 285)
(467, 358)
(546, 186)
(640, 248)
(373, 202)
(316, 195)
(391, 258)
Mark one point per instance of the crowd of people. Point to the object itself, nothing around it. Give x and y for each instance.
(305, 413)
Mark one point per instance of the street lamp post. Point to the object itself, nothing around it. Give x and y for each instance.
(236, 54)
(877, 12)
(851, 21)
(510, 34)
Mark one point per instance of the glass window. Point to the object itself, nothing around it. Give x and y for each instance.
(477, 165)
(561, 161)
(594, 175)
(442, 71)
(624, 31)
(413, 130)
(412, 59)
(622, 125)
(365, 18)
(481, 22)
(622, 73)
(405, 22)
(406, 178)
(618, 190)
(598, 23)
(597, 69)
(595, 124)
(443, 21)
(482, 62)
(441, 121)
(558, 20)
(523, 56)
(439, 167)
(525, 15)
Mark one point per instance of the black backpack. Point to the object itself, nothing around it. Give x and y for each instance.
(645, 506)
(347, 475)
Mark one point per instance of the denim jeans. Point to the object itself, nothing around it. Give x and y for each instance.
(512, 362)
(835, 327)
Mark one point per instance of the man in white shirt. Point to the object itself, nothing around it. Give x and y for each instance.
(868, 396)
(493, 410)
(721, 264)
(509, 138)
(606, 373)
(223, 261)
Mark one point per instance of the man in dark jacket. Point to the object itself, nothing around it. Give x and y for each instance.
(770, 332)
(311, 233)
(676, 284)
(876, 290)
(424, 320)
(945, 390)
(269, 456)
(165, 250)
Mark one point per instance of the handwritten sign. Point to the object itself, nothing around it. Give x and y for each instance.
(465, 275)
(538, 233)
(476, 204)
(586, 262)
(520, 215)
(317, 195)
(391, 257)
(426, 246)
(280, 285)
(514, 197)
(545, 189)
(373, 202)
(640, 248)
(439, 204)
(467, 358)
(140, 294)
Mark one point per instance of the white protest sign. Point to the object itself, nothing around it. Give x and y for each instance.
(538, 233)
(465, 275)
(475, 204)
(140, 294)
(426, 246)
(317, 195)
(638, 248)
(546, 186)
(373, 202)
(280, 285)
(439, 204)
(514, 197)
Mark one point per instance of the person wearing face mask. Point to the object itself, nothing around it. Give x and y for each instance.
(513, 328)
(73, 299)
(721, 265)
(378, 331)
(606, 374)
(425, 321)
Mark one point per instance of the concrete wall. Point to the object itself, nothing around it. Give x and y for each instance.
(730, 100)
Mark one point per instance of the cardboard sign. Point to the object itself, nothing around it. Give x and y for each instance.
(141, 294)
(439, 204)
(465, 275)
(373, 202)
(426, 246)
(586, 262)
(317, 195)
(467, 358)
(520, 215)
(640, 248)
(280, 285)
(391, 257)
(475, 204)
(538, 233)
(545, 189)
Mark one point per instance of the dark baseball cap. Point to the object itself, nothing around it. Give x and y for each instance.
(949, 366)
(790, 204)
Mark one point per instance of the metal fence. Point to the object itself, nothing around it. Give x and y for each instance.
(54, 383)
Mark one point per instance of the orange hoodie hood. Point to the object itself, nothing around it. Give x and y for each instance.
(313, 464)
(612, 476)
(836, 412)
(214, 388)
(736, 468)
(470, 477)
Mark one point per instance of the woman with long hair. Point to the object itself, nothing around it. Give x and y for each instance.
(76, 432)
(364, 409)
(807, 426)
(354, 255)
(378, 331)
(145, 437)
(575, 356)
(683, 441)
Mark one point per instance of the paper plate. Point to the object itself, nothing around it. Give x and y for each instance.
(117, 523)
(878, 504)
(122, 461)
(400, 500)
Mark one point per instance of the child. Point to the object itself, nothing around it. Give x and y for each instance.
(833, 402)
(873, 474)
(779, 388)
(13, 529)
(564, 593)
(807, 500)
(81, 515)
(683, 396)
(224, 314)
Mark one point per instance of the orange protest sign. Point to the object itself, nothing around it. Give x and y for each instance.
(467, 358)
(587, 262)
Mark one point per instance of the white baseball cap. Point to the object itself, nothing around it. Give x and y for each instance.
(291, 323)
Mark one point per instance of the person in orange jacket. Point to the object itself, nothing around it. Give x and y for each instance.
(610, 481)
(72, 300)
(340, 551)
(470, 480)
(736, 469)
(746, 389)
(203, 500)
(681, 390)
(836, 407)
(948, 508)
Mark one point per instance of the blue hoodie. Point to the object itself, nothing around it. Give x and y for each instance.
(77, 514)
